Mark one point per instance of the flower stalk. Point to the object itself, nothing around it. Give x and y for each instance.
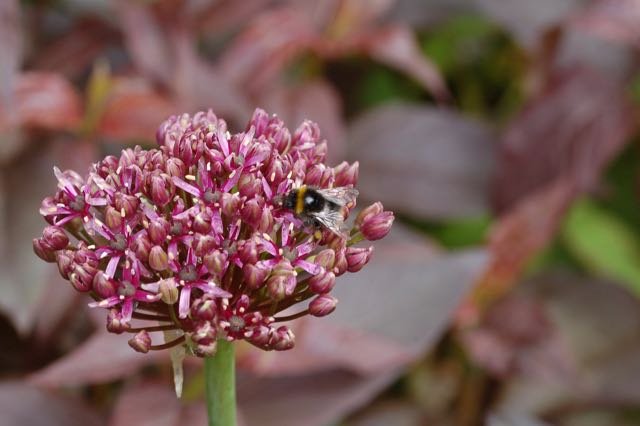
(220, 382)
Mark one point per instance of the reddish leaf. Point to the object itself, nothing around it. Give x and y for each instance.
(267, 44)
(25, 183)
(515, 239)
(146, 40)
(88, 363)
(201, 86)
(423, 161)
(310, 400)
(134, 110)
(616, 20)
(397, 47)
(322, 346)
(405, 294)
(571, 130)
(317, 101)
(42, 100)
(516, 336)
(75, 51)
(23, 405)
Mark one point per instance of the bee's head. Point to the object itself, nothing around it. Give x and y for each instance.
(287, 201)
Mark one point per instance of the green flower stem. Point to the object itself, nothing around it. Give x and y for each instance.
(220, 379)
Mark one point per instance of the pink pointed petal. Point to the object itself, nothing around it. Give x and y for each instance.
(97, 201)
(267, 264)
(311, 268)
(266, 188)
(149, 212)
(223, 142)
(213, 290)
(216, 221)
(66, 219)
(186, 187)
(305, 248)
(127, 309)
(52, 211)
(290, 285)
(246, 143)
(152, 287)
(284, 229)
(185, 302)
(105, 303)
(112, 266)
(234, 177)
(269, 246)
(283, 187)
(64, 182)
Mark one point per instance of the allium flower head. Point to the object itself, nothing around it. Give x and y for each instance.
(190, 236)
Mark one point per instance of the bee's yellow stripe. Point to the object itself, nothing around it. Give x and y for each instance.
(300, 199)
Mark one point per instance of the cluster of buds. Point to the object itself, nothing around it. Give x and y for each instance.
(190, 236)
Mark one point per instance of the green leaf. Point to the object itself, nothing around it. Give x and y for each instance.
(603, 244)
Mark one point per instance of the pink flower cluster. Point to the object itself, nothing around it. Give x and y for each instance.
(191, 237)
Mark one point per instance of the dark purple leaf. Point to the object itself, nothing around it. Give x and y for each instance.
(423, 161)
(571, 130)
(311, 400)
(24, 405)
(26, 182)
(146, 40)
(134, 110)
(102, 358)
(316, 101)
(406, 294)
(42, 100)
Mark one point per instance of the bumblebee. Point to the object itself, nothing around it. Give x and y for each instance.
(318, 208)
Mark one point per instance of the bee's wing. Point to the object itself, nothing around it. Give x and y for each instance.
(342, 195)
(330, 219)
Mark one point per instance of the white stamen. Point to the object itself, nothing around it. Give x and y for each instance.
(133, 272)
(190, 177)
(241, 310)
(122, 214)
(289, 175)
(103, 255)
(119, 169)
(208, 167)
(248, 334)
(121, 297)
(150, 297)
(86, 219)
(273, 176)
(145, 223)
(91, 247)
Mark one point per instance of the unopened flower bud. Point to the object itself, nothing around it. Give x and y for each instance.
(48, 205)
(283, 339)
(204, 309)
(141, 246)
(377, 226)
(251, 213)
(126, 203)
(55, 237)
(248, 252)
(206, 350)
(322, 282)
(112, 217)
(103, 285)
(82, 277)
(368, 212)
(161, 189)
(340, 265)
(346, 174)
(168, 290)
(175, 167)
(216, 263)
(249, 186)
(230, 204)
(158, 230)
(204, 244)
(141, 342)
(44, 250)
(259, 121)
(325, 258)
(116, 323)
(253, 276)
(315, 175)
(158, 259)
(322, 305)
(64, 260)
(202, 222)
(277, 287)
(266, 221)
(85, 256)
(357, 257)
(260, 336)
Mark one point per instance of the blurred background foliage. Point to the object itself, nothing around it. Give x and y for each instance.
(502, 132)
